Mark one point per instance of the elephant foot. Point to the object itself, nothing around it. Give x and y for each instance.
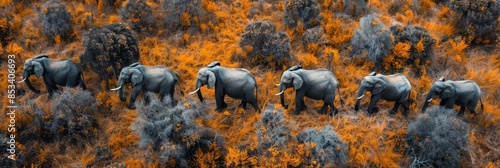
(356, 108)
(219, 109)
(131, 107)
(322, 111)
(243, 105)
(37, 91)
(304, 107)
(123, 99)
(335, 112)
(296, 112)
(392, 112)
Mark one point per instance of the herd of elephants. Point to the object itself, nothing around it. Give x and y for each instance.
(239, 83)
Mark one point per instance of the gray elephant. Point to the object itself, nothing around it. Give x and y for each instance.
(319, 84)
(156, 79)
(464, 93)
(391, 88)
(64, 72)
(237, 83)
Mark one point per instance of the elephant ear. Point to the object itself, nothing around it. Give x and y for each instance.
(37, 68)
(210, 78)
(448, 91)
(297, 81)
(378, 86)
(135, 76)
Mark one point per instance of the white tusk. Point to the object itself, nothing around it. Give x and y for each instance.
(279, 93)
(429, 100)
(22, 80)
(357, 91)
(117, 88)
(194, 91)
(360, 97)
(277, 84)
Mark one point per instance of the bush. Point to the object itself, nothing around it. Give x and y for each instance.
(437, 138)
(477, 19)
(9, 28)
(372, 41)
(186, 15)
(314, 35)
(73, 114)
(306, 12)
(419, 52)
(56, 20)
(173, 133)
(325, 147)
(114, 45)
(354, 8)
(272, 132)
(139, 15)
(264, 45)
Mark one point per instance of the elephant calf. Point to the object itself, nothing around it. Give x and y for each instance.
(157, 79)
(463, 93)
(64, 72)
(392, 88)
(237, 83)
(319, 84)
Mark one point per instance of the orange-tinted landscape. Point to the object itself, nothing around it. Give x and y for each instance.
(422, 39)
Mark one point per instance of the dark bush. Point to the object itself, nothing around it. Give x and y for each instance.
(437, 138)
(272, 131)
(114, 45)
(8, 28)
(477, 19)
(73, 114)
(315, 35)
(305, 11)
(56, 20)
(186, 15)
(372, 41)
(173, 133)
(354, 8)
(139, 15)
(324, 146)
(422, 44)
(264, 46)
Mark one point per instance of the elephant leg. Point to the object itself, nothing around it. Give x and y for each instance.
(304, 106)
(323, 109)
(51, 87)
(373, 101)
(395, 108)
(255, 106)
(219, 100)
(406, 108)
(335, 110)
(172, 91)
(462, 110)
(443, 102)
(243, 104)
(135, 92)
(299, 103)
(449, 103)
(472, 106)
(82, 84)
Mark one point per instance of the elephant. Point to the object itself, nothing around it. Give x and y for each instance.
(156, 79)
(319, 84)
(237, 83)
(394, 87)
(64, 72)
(464, 93)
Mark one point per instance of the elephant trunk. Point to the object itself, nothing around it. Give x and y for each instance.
(121, 82)
(428, 99)
(198, 92)
(26, 79)
(282, 95)
(361, 93)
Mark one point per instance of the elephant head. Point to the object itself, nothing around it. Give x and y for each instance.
(289, 79)
(128, 75)
(371, 83)
(32, 66)
(205, 77)
(443, 89)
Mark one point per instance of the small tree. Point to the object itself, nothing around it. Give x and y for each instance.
(264, 46)
(477, 19)
(306, 12)
(437, 138)
(139, 15)
(56, 20)
(372, 40)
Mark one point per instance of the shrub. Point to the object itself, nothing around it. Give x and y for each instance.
(73, 114)
(113, 45)
(325, 147)
(139, 15)
(8, 27)
(272, 132)
(186, 15)
(306, 12)
(372, 41)
(315, 36)
(477, 19)
(56, 20)
(417, 54)
(437, 138)
(354, 8)
(264, 45)
(173, 133)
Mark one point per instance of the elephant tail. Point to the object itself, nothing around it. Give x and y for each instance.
(82, 82)
(340, 96)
